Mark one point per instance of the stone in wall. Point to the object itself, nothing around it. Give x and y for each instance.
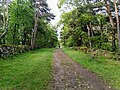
(10, 50)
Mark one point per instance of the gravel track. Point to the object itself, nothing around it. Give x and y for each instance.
(68, 75)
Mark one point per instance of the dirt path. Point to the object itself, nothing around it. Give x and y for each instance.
(68, 75)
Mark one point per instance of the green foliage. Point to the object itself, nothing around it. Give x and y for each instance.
(72, 2)
(21, 15)
(71, 42)
(100, 19)
(106, 46)
(83, 27)
(90, 17)
(86, 18)
(21, 24)
(46, 36)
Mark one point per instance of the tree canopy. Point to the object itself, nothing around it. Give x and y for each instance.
(26, 21)
(90, 23)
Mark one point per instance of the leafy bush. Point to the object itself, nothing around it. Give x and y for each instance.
(106, 46)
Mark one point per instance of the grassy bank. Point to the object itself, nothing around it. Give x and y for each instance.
(28, 71)
(109, 70)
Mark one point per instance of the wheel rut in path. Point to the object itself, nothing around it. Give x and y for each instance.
(68, 75)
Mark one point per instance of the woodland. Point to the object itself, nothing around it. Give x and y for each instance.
(27, 22)
(85, 55)
(91, 23)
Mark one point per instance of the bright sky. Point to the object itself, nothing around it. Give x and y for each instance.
(54, 9)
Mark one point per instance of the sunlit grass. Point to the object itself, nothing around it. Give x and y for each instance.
(109, 70)
(28, 71)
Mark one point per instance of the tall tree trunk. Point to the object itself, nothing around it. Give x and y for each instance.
(89, 36)
(34, 31)
(35, 25)
(112, 24)
(101, 30)
(118, 23)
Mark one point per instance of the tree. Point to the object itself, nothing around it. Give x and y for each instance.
(45, 12)
(5, 18)
(19, 24)
(118, 24)
(102, 28)
(100, 21)
(29, 24)
(83, 26)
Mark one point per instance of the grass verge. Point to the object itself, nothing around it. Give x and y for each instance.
(109, 70)
(28, 71)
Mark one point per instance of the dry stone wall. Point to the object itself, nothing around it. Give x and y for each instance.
(10, 50)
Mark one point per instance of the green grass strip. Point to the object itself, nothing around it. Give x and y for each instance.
(28, 71)
(109, 70)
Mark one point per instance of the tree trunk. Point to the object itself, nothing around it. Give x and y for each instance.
(117, 21)
(89, 36)
(113, 40)
(34, 31)
(112, 24)
(101, 30)
(109, 13)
